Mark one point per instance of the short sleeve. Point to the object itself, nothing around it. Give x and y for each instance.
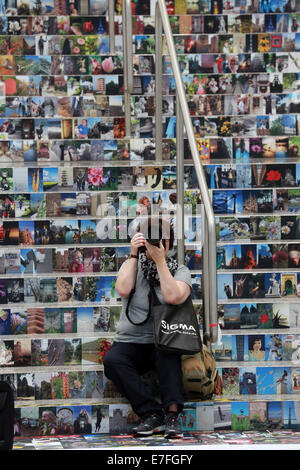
(183, 274)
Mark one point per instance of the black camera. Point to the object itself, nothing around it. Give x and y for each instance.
(154, 242)
(153, 233)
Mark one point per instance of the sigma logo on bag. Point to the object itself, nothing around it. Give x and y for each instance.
(168, 328)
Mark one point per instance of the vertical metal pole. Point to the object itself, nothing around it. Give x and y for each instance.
(158, 84)
(179, 183)
(205, 277)
(111, 22)
(127, 62)
(129, 50)
(210, 217)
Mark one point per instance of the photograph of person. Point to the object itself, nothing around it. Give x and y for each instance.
(256, 347)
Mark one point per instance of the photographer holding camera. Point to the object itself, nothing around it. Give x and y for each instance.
(133, 352)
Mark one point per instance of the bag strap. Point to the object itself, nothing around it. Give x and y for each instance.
(152, 293)
(129, 301)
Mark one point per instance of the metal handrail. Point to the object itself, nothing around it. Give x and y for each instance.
(128, 62)
(111, 26)
(209, 245)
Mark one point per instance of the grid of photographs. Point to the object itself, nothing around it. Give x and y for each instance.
(53, 353)
(53, 321)
(112, 230)
(237, 381)
(118, 420)
(59, 290)
(198, 420)
(101, 289)
(87, 350)
(61, 112)
(259, 316)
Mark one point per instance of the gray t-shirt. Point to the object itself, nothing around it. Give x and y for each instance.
(139, 305)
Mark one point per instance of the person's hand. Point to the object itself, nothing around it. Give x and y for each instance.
(137, 241)
(157, 253)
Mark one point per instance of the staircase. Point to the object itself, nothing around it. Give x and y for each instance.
(73, 178)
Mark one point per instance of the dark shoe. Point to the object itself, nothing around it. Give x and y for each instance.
(149, 425)
(172, 426)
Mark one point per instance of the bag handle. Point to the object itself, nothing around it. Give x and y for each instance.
(129, 300)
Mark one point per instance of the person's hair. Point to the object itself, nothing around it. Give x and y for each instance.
(157, 228)
(143, 199)
(96, 252)
(254, 340)
(76, 252)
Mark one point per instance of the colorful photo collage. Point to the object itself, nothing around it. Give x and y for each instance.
(259, 347)
(81, 179)
(115, 216)
(260, 256)
(65, 289)
(53, 352)
(265, 228)
(104, 319)
(246, 176)
(94, 320)
(52, 290)
(228, 22)
(248, 257)
(52, 7)
(62, 260)
(132, 204)
(259, 316)
(252, 422)
(89, 89)
(203, 101)
(65, 37)
(198, 420)
(195, 416)
(72, 232)
(66, 420)
(252, 202)
(258, 286)
(50, 150)
(22, 133)
(106, 65)
(219, 105)
(177, 7)
(273, 380)
(258, 228)
(256, 415)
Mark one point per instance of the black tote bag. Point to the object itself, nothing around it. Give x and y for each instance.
(176, 329)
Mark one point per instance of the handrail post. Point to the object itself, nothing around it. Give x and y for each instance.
(205, 280)
(111, 23)
(162, 21)
(158, 84)
(212, 245)
(179, 184)
(127, 63)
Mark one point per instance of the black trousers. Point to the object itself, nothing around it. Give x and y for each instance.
(126, 362)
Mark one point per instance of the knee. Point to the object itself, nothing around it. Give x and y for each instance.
(110, 361)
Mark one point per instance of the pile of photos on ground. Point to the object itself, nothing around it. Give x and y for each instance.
(190, 439)
(73, 187)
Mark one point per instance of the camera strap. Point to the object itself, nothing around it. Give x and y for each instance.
(129, 301)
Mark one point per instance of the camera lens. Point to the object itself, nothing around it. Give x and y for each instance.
(154, 242)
